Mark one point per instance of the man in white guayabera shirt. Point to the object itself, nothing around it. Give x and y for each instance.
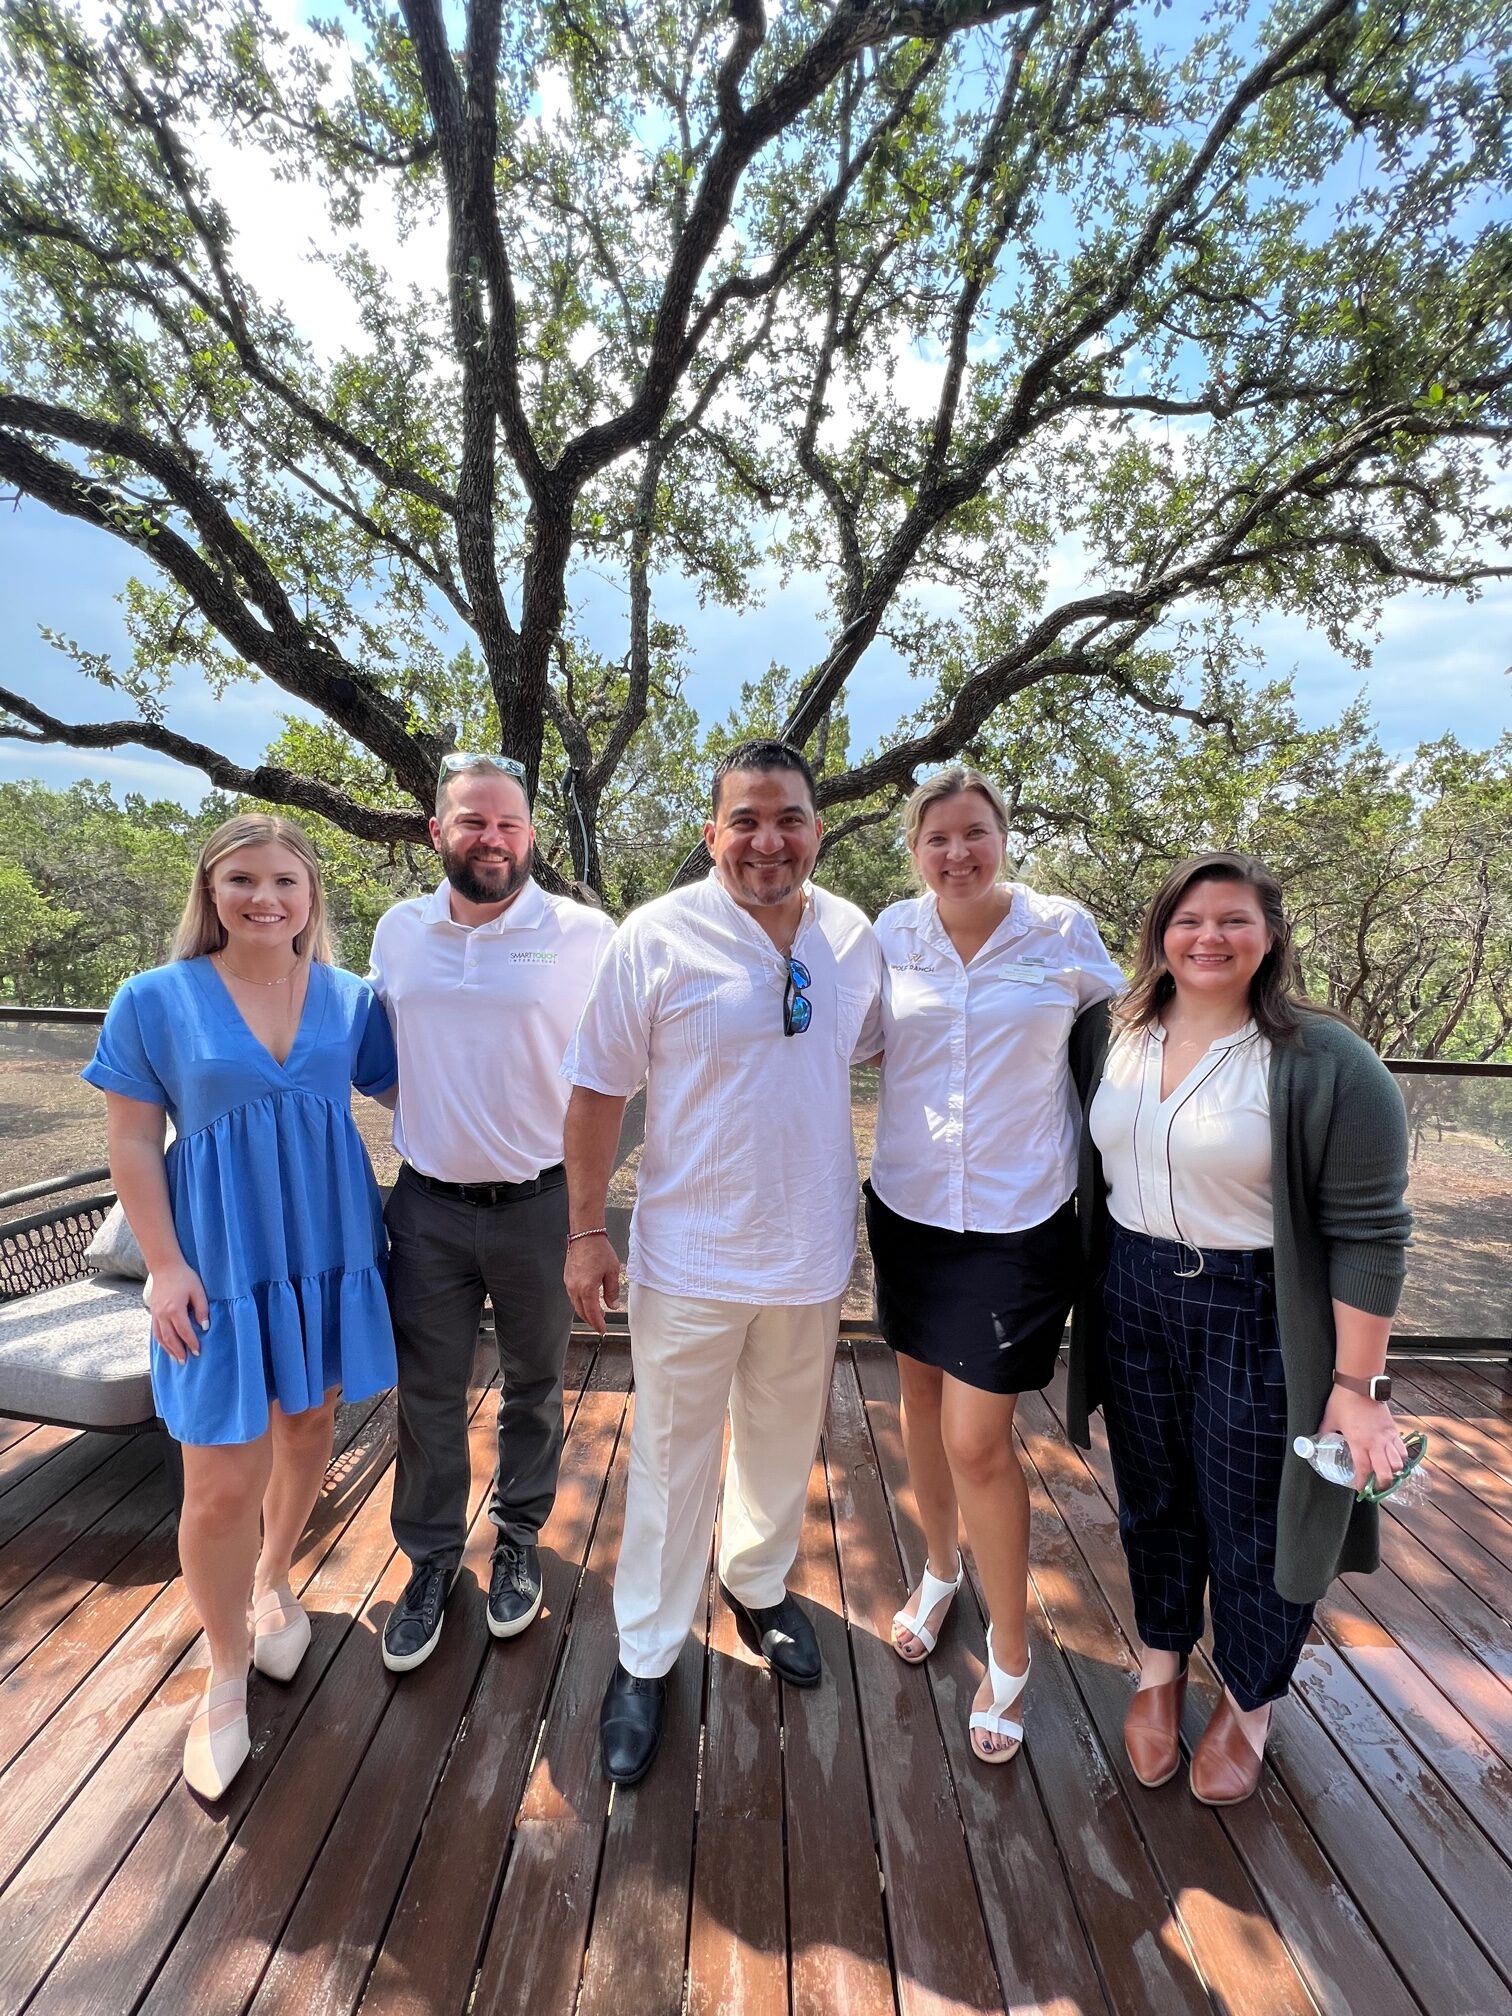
(738, 1003)
(483, 981)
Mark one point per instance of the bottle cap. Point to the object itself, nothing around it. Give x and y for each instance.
(1305, 1447)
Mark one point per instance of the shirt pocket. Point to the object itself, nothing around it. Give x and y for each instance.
(851, 1006)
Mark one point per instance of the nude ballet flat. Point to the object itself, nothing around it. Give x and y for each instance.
(278, 1652)
(219, 1741)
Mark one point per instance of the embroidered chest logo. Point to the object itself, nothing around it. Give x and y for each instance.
(916, 962)
(532, 958)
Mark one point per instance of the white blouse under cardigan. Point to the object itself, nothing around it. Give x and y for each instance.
(1196, 1166)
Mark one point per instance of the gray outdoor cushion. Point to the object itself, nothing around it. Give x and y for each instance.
(77, 1354)
(114, 1248)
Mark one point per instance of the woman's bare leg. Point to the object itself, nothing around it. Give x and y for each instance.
(301, 1455)
(218, 1538)
(977, 1432)
(929, 1474)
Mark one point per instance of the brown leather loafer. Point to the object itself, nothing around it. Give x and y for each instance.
(1151, 1730)
(1225, 1767)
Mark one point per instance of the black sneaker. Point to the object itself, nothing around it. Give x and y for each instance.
(514, 1589)
(414, 1626)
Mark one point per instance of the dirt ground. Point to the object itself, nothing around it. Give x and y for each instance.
(1459, 1281)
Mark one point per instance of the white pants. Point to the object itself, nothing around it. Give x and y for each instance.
(692, 1360)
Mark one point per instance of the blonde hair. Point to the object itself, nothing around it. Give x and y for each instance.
(950, 784)
(200, 929)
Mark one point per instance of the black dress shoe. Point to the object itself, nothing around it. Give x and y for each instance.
(630, 1725)
(414, 1626)
(514, 1589)
(782, 1635)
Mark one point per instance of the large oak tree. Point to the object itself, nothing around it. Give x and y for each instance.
(1226, 306)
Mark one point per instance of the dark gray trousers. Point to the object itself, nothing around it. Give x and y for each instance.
(444, 1257)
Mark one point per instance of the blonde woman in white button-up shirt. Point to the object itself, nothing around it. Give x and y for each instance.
(969, 1204)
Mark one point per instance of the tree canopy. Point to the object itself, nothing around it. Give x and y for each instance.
(916, 297)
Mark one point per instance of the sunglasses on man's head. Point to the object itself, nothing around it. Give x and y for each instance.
(463, 759)
(797, 1009)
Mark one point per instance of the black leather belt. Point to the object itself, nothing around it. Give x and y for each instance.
(489, 1193)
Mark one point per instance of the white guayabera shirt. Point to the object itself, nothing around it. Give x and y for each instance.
(976, 1125)
(481, 1017)
(746, 1190)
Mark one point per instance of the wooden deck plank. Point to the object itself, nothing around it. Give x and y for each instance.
(24, 1454)
(1466, 1451)
(942, 1958)
(837, 1933)
(1042, 1948)
(533, 1958)
(72, 1577)
(1459, 1604)
(430, 1952)
(1476, 1775)
(28, 1497)
(641, 1904)
(1480, 1697)
(54, 1531)
(737, 1934)
(1462, 1860)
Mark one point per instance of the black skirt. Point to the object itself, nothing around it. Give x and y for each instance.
(986, 1307)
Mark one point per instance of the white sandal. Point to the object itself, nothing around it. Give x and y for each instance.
(219, 1742)
(932, 1591)
(278, 1653)
(995, 1720)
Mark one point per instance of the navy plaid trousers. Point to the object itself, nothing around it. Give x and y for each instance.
(1196, 1413)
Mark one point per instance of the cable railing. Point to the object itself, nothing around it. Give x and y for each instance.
(55, 1187)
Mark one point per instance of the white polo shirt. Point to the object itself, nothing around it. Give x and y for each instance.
(976, 1126)
(482, 1015)
(1196, 1165)
(747, 1186)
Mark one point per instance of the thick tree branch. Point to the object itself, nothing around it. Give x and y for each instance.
(269, 782)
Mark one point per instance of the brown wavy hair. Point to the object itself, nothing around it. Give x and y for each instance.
(1277, 1001)
(200, 929)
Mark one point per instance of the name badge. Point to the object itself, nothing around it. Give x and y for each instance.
(1034, 975)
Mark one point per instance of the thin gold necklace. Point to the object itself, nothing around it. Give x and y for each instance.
(247, 980)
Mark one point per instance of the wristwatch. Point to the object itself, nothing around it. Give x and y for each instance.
(1377, 1387)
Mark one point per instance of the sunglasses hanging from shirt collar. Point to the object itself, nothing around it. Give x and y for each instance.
(797, 1009)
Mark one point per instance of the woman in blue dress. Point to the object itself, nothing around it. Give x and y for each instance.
(262, 1228)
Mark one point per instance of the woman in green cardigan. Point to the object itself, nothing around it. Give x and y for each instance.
(1241, 1210)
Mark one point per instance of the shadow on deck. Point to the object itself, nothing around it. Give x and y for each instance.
(445, 1842)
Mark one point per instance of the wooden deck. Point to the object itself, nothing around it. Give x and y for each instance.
(445, 1842)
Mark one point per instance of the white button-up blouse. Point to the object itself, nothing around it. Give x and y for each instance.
(976, 1127)
(1195, 1166)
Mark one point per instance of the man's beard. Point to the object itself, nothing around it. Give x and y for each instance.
(473, 888)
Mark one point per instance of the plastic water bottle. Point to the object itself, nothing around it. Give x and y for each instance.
(1329, 1456)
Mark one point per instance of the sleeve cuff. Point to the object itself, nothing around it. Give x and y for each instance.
(1368, 1278)
(105, 1080)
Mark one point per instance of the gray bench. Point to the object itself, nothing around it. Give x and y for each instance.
(77, 1355)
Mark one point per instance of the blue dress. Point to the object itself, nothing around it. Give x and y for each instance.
(272, 1192)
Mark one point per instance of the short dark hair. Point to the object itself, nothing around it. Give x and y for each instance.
(761, 754)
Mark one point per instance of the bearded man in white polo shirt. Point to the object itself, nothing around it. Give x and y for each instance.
(484, 981)
(738, 1002)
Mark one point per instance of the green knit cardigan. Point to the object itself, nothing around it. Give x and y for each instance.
(1338, 1172)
